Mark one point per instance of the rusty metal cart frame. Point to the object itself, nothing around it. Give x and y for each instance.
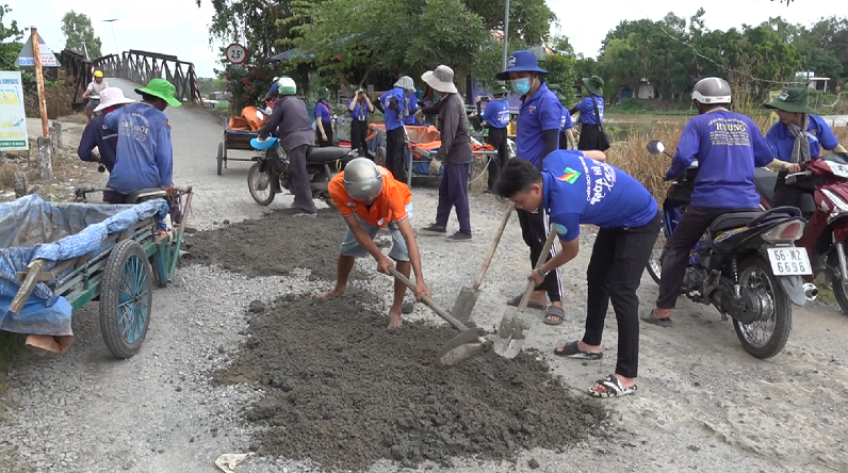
(238, 140)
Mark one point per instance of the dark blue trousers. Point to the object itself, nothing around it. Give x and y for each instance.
(453, 192)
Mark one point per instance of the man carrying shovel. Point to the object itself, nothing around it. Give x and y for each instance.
(369, 199)
(573, 190)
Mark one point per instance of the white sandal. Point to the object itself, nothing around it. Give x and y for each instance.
(613, 386)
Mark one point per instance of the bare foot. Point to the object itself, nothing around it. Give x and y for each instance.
(333, 293)
(394, 321)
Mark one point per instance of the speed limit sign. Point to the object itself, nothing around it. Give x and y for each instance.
(236, 54)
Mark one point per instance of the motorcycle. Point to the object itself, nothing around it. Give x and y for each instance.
(321, 165)
(826, 209)
(746, 265)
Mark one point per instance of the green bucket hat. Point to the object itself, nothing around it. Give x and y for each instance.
(499, 88)
(323, 93)
(162, 89)
(791, 100)
(557, 90)
(594, 85)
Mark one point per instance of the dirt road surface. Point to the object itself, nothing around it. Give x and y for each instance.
(703, 403)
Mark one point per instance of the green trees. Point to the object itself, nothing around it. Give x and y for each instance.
(79, 34)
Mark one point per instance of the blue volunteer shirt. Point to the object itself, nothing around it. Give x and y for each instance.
(273, 89)
(587, 110)
(579, 190)
(411, 109)
(567, 124)
(819, 135)
(360, 111)
(728, 146)
(496, 114)
(322, 111)
(97, 134)
(539, 113)
(146, 157)
(393, 120)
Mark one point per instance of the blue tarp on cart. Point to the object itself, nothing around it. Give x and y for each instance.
(31, 229)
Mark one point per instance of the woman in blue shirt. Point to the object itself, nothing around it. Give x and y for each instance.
(591, 110)
(496, 116)
(798, 137)
(360, 108)
(324, 118)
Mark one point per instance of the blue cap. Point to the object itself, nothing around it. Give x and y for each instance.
(521, 61)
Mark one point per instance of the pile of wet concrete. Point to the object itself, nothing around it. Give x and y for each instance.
(344, 392)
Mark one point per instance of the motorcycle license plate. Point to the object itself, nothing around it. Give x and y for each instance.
(840, 170)
(789, 261)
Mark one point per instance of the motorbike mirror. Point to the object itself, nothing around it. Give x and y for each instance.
(656, 147)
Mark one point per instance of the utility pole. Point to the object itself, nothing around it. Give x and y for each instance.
(506, 34)
(39, 79)
(112, 23)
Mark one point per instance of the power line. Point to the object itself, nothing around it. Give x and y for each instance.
(697, 53)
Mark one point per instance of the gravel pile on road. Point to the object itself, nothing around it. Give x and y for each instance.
(274, 245)
(344, 392)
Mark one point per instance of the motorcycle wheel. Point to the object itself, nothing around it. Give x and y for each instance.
(259, 184)
(755, 274)
(655, 260)
(838, 283)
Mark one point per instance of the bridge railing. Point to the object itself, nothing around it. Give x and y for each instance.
(78, 72)
(143, 66)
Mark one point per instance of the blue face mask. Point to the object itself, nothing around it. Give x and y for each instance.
(521, 86)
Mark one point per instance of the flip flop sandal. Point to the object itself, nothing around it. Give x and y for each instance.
(570, 350)
(613, 387)
(530, 305)
(649, 317)
(557, 313)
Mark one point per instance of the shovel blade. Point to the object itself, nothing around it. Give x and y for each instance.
(464, 304)
(462, 347)
(510, 337)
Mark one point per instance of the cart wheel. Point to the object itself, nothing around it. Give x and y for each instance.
(220, 158)
(126, 297)
(259, 183)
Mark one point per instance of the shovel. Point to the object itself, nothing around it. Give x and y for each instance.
(468, 343)
(510, 335)
(467, 298)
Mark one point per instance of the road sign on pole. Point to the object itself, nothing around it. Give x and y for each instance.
(26, 58)
(236, 53)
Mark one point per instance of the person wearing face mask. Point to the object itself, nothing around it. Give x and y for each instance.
(591, 110)
(539, 125)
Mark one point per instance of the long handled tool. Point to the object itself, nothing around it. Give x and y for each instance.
(467, 298)
(510, 336)
(468, 343)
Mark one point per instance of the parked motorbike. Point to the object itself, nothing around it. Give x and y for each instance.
(826, 210)
(321, 165)
(746, 265)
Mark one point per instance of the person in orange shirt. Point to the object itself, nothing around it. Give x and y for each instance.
(369, 198)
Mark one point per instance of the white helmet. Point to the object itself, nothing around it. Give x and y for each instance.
(711, 90)
(286, 86)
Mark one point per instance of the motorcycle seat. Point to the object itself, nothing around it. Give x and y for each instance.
(328, 154)
(145, 194)
(765, 180)
(732, 220)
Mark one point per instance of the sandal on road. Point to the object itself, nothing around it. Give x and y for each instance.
(571, 350)
(530, 304)
(613, 388)
(554, 315)
(651, 318)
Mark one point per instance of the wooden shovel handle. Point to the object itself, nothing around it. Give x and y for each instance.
(543, 257)
(429, 302)
(494, 245)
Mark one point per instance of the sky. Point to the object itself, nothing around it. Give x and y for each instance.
(178, 27)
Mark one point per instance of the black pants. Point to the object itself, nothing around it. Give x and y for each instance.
(790, 194)
(534, 230)
(396, 153)
(328, 130)
(618, 260)
(497, 138)
(298, 178)
(691, 228)
(563, 141)
(590, 138)
(358, 133)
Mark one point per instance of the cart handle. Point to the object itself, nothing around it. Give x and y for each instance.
(33, 272)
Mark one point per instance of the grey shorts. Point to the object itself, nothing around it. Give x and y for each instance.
(399, 252)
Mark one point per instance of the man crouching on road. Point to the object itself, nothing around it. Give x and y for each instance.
(369, 198)
(573, 190)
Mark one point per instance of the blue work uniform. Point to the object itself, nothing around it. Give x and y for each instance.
(781, 140)
(539, 113)
(145, 153)
(496, 114)
(411, 109)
